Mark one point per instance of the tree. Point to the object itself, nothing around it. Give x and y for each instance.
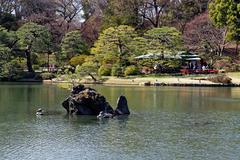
(7, 6)
(12, 69)
(37, 10)
(33, 38)
(91, 19)
(88, 68)
(140, 14)
(226, 14)
(7, 18)
(203, 35)
(143, 14)
(78, 60)
(7, 38)
(69, 10)
(7, 44)
(115, 41)
(5, 56)
(120, 12)
(138, 45)
(60, 16)
(182, 11)
(72, 45)
(8, 21)
(163, 39)
(153, 11)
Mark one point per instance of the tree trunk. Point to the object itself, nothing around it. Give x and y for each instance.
(223, 43)
(29, 61)
(157, 13)
(237, 43)
(120, 49)
(95, 80)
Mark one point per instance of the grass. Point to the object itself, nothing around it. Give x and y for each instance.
(234, 74)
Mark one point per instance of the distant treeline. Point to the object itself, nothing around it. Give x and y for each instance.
(111, 33)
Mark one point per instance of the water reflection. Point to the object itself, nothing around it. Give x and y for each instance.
(176, 98)
(165, 122)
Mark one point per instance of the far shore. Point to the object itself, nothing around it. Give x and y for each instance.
(155, 81)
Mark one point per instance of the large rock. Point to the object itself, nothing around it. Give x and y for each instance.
(220, 79)
(87, 101)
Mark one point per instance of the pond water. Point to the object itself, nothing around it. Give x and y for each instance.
(166, 123)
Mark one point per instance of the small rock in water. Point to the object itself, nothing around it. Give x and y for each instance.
(122, 106)
(104, 115)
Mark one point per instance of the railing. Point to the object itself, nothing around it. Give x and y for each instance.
(199, 71)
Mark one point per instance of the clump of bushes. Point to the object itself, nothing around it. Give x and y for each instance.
(88, 68)
(146, 70)
(226, 63)
(169, 66)
(104, 71)
(77, 60)
(117, 71)
(36, 67)
(12, 70)
(131, 70)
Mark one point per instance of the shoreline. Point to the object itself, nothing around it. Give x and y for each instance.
(151, 81)
(178, 81)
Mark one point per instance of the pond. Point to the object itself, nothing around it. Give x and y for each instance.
(165, 123)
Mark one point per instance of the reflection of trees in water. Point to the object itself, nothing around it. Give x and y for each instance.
(167, 98)
(22, 98)
(14, 98)
(26, 98)
(29, 95)
(202, 98)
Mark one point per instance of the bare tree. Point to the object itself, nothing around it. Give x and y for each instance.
(7, 6)
(153, 10)
(92, 25)
(182, 11)
(202, 35)
(69, 10)
(30, 7)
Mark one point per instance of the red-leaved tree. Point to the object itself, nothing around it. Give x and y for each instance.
(201, 35)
